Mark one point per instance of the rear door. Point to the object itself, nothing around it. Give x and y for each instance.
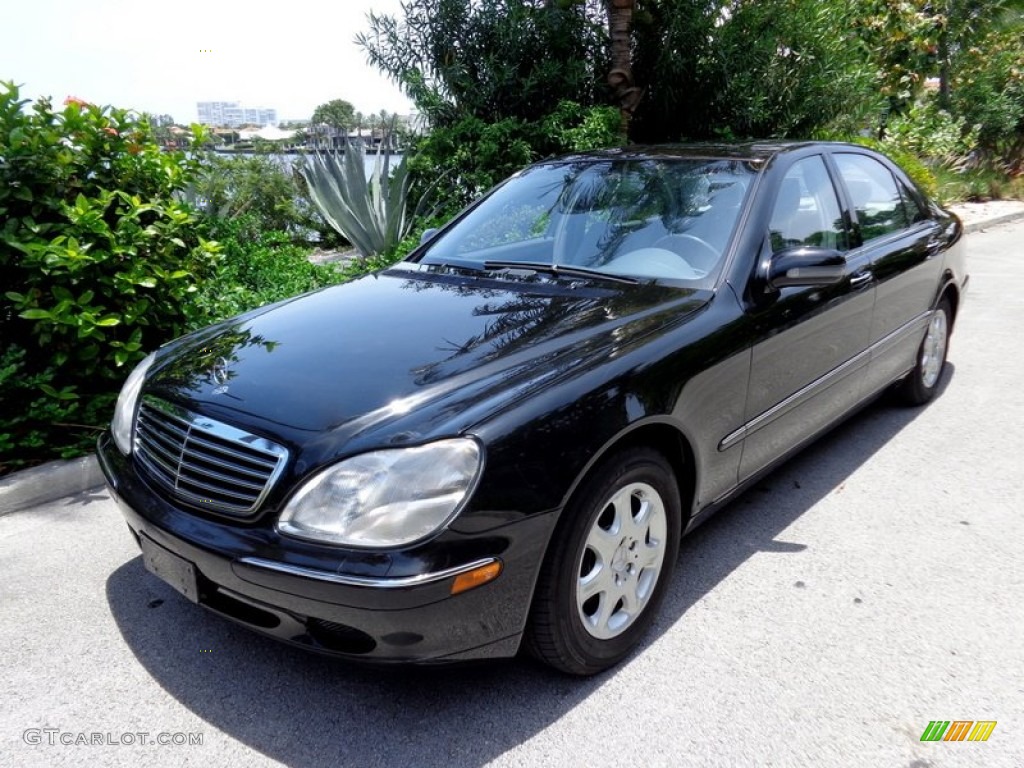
(896, 234)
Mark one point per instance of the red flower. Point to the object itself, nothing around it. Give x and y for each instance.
(76, 100)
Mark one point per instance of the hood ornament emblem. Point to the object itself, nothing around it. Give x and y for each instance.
(219, 375)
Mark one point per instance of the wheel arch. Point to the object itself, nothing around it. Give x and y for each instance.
(951, 292)
(664, 437)
(550, 635)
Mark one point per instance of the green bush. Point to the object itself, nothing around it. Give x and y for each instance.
(978, 185)
(255, 267)
(575, 128)
(469, 157)
(988, 90)
(98, 260)
(263, 188)
(920, 173)
(932, 133)
(772, 68)
(492, 59)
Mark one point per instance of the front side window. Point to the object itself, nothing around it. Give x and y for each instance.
(806, 210)
(646, 218)
(875, 197)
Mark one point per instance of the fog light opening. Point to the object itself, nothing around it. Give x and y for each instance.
(240, 610)
(476, 577)
(340, 637)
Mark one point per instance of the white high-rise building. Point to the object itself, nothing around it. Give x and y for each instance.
(234, 114)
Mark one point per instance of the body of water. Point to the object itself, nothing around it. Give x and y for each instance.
(287, 160)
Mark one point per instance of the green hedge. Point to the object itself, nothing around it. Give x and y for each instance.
(255, 267)
(98, 260)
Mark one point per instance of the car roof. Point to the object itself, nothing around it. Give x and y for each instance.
(757, 151)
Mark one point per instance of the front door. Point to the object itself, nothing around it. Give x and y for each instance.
(808, 360)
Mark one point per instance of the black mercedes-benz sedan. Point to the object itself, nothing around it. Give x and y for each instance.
(500, 441)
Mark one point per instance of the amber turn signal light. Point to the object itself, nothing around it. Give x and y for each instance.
(477, 577)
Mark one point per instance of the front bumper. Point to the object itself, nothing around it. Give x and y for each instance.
(250, 575)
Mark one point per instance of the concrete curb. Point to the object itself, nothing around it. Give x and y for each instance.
(1006, 218)
(57, 479)
(48, 482)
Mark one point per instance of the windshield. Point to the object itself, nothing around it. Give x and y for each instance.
(641, 218)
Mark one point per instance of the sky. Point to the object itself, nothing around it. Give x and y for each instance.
(164, 57)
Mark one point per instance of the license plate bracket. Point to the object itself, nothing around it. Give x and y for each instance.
(175, 571)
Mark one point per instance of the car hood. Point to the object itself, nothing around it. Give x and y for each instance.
(409, 345)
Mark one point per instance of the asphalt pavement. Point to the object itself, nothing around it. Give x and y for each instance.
(871, 585)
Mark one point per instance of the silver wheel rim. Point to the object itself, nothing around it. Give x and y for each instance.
(621, 561)
(933, 351)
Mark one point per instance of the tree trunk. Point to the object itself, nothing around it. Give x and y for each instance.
(944, 100)
(620, 78)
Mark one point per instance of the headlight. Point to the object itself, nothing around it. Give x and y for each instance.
(387, 498)
(124, 412)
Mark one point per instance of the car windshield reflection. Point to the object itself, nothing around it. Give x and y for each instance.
(640, 218)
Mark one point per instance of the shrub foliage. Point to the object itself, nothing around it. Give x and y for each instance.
(263, 187)
(256, 267)
(98, 258)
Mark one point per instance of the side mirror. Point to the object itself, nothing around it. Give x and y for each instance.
(428, 234)
(806, 265)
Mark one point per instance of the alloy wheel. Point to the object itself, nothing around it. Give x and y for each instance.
(621, 560)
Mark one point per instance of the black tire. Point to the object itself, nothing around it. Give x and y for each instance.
(583, 634)
(921, 384)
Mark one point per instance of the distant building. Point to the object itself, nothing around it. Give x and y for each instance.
(233, 114)
(215, 112)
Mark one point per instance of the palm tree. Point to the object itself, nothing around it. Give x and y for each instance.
(387, 130)
(620, 77)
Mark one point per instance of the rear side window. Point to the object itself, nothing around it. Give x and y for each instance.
(910, 204)
(880, 207)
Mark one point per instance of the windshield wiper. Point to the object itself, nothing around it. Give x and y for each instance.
(559, 269)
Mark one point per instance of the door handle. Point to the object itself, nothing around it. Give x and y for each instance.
(861, 278)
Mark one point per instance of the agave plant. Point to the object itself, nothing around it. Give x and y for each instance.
(369, 213)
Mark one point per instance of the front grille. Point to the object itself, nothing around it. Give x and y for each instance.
(203, 462)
